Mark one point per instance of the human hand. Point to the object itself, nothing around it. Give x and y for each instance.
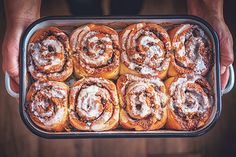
(10, 50)
(213, 14)
(226, 48)
(17, 19)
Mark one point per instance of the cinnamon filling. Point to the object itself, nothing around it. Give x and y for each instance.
(46, 101)
(48, 54)
(192, 50)
(189, 100)
(145, 49)
(92, 100)
(142, 101)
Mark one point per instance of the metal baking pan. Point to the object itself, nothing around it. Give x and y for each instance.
(67, 23)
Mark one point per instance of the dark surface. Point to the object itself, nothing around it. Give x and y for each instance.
(17, 140)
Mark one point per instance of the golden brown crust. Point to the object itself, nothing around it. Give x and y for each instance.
(94, 105)
(143, 102)
(192, 50)
(190, 104)
(47, 105)
(49, 56)
(145, 49)
(96, 51)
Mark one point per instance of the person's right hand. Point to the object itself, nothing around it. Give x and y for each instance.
(10, 49)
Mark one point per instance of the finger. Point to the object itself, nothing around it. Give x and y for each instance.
(14, 85)
(224, 79)
(222, 69)
(226, 48)
(17, 100)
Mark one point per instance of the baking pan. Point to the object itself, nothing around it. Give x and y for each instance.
(66, 23)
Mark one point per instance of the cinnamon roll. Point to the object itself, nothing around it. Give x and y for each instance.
(48, 55)
(143, 102)
(94, 105)
(145, 49)
(96, 51)
(190, 104)
(47, 105)
(192, 50)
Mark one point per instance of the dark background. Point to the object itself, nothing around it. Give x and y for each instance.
(17, 140)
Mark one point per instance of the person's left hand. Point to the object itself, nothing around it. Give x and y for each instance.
(213, 14)
(226, 48)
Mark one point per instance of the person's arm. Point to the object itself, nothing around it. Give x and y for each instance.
(212, 11)
(19, 14)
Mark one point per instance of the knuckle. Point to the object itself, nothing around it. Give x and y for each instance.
(228, 39)
(13, 71)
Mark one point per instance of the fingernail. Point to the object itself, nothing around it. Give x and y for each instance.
(222, 69)
(16, 79)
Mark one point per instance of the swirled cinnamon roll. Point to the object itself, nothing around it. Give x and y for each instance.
(48, 55)
(96, 51)
(143, 102)
(191, 102)
(192, 51)
(94, 105)
(47, 105)
(145, 49)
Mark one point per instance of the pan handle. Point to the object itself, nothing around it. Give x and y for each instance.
(8, 86)
(231, 80)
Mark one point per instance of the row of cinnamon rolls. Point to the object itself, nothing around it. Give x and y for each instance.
(96, 104)
(142, 49)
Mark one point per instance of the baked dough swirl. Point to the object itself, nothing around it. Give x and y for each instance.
(192, 50)
(94, 105)
(143, 102)
(191, 102)
(96, 51)
(47, 105)
(49, 56)
(145, 49)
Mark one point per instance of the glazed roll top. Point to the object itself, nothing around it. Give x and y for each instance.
(192, 50)
(191, 102)
(96, 51)
(47, 103)
(49, 55)
(143, 102)
(145, 49)
(94, 105)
